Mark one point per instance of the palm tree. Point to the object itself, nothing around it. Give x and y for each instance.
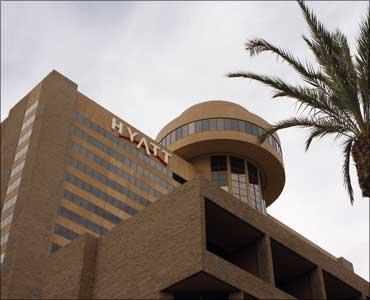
(335, 96)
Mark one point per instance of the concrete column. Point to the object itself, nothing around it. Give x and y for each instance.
(317, 284)
(264, 258)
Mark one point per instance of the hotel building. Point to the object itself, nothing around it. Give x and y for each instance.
(93, 208)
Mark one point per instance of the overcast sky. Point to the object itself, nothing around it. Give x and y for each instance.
(149, 61)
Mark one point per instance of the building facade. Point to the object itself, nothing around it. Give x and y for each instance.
(93, 208)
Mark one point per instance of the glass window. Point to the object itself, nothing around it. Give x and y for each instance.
(237, 165)
(198, 126)
(252, 174)
(220, 124)
(205, 125)
(248, 128)
(241, 126)
(234, 125)
(227, 124)
(218, 163)
(178, 133)
(191, 128)
(185, 129)
(213, 124)
(173, 136)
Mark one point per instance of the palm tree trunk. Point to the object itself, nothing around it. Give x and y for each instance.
(361, 157)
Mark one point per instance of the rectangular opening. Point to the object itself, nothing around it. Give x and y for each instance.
(337, 289)
(232, 239)
(293, 273)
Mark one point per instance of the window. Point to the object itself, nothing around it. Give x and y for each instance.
(238, 178)
(218, 124)
(64, 212)
(2, 257)
(219, 171)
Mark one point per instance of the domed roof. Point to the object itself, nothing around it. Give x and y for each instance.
(213, 109)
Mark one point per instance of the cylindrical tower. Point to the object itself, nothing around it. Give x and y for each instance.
(220, 139)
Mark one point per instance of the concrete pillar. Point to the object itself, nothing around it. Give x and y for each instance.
(317, 284)
(264, 258)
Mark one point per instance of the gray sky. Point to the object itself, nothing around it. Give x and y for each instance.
(149, 61)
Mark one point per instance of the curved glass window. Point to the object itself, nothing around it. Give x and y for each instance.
(240, 178)
(218, 124)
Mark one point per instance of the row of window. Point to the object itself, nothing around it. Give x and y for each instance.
(122, 158)
(91, 207)
(122, 143)
(107, 181)
(68, 214)
(99, 194)
(16, 169)
(217, 124)
(65, 232)
(102, 162)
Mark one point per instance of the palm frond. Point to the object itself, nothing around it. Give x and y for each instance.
(346, 168)
(332, 53)
(308, 98)
(362, 66)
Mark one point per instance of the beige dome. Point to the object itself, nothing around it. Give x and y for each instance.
(199, 145)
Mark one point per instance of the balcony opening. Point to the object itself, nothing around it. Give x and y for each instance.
(292, 272)
(232, 239)
(337, 289)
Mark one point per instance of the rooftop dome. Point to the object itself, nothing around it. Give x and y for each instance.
(220, 127)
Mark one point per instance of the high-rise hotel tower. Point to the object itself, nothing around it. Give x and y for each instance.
(93, 208)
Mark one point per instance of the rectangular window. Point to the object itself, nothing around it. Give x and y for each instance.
(2, 257)
(252, 174)
(173, 136)
(185, 129)
(234, 125)
(191, 128)
(227, 124)
(205, 125)
(198, 126)
(220, 124)
(213, 124)
(241, 126)
(178, 134)
(218, 163)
